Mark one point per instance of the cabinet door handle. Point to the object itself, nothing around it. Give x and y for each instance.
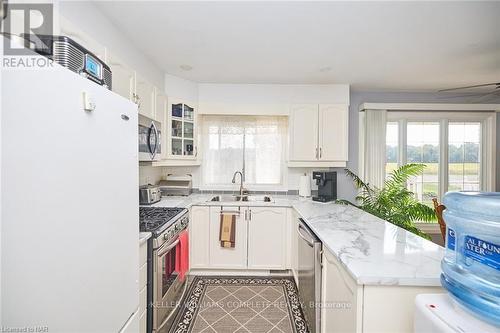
(250, 214)
(195, 151)
(316, 152)
(320, 152)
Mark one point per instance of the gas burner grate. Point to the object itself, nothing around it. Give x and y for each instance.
(153, 218)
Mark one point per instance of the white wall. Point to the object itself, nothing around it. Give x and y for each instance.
(177, 87)
(149, 174)
(265, 99)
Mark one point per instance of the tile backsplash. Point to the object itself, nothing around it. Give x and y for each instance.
(153, 175)
(149, 174)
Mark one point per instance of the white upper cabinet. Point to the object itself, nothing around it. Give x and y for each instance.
(267, 237)
(318, 135)
(333, 134)
(123, 78)
(182, 133)
(304, 132)
(145, 92)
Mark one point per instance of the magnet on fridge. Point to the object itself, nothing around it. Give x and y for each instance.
(88, 103)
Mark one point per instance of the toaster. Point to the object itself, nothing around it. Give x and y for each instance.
(149, 194)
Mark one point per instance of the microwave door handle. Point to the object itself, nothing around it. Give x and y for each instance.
(148, 139)
(156, 139)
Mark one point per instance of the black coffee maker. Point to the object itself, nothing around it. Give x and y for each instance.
(327, 185)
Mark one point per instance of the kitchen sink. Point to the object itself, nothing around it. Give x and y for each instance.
(245, 198)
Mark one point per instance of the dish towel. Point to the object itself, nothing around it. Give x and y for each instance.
(182, 255)
(227, 230)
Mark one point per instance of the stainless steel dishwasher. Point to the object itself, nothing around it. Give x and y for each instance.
(310, 276)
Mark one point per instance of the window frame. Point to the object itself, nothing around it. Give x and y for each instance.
(282, 186)
(487, 137)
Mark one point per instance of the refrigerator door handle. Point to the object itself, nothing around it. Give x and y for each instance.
(130, 319)
(3, 9)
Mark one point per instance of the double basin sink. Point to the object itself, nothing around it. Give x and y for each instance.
(241, 198)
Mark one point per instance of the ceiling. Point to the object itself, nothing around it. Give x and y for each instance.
(421, 46)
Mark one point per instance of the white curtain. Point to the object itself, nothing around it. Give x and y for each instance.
(227, 140)
(373, 147)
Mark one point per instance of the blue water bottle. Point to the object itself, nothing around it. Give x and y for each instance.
(471, 265)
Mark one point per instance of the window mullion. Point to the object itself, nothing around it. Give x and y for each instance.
(402, 142)
(243, 171)
(443, 158)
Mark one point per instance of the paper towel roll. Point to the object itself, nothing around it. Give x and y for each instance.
(305, 186)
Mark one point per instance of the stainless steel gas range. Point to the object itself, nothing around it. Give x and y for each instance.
(164, 286)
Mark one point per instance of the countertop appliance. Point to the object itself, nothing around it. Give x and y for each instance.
(68, 53)
(90, 239)
(327, 185)
(149, 139)
(149, 194)
(164, 289)
(176, 185)
(310, 275)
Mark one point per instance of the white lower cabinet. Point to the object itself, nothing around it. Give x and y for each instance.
(260, 238)
(199, 236)
(341, 298)
(143, 256)
(223, 257)
(267, 238)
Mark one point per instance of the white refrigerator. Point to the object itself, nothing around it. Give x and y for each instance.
(69, 204)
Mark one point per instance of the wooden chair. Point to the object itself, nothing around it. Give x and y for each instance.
(439, 213)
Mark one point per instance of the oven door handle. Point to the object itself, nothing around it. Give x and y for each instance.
(162, 250)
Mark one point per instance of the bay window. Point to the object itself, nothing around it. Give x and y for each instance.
(457, 149)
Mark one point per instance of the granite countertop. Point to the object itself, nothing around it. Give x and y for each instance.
(373, 251)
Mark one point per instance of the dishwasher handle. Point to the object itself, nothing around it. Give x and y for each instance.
(308, 238)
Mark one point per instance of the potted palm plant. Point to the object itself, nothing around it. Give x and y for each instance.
(394, 202)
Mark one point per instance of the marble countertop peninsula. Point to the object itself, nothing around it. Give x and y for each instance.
(373, 251)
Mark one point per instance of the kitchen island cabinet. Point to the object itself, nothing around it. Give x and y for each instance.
(350, 307)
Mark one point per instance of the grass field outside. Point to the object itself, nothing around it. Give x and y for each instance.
(461, 176)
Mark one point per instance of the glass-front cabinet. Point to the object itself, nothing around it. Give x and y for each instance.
(182, 136)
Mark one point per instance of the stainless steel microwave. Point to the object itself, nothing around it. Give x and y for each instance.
(149, 139)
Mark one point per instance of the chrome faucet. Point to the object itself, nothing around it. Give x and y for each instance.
(242, 190)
